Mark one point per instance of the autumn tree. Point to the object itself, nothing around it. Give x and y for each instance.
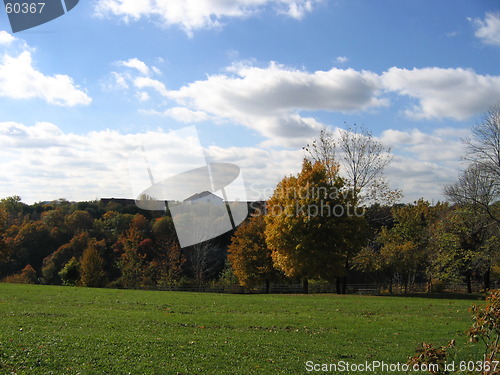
(78, 221)
(92, 264)
(131, 249)
(168, 258)
(249, 255)
(112, 224)
(308, 224)
(362, 160)
(53, 264)
(32, 243)
(5, 250)
(14, 207)
(26, 276)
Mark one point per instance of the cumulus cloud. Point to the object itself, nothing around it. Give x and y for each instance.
(424, 162)
(19, 79)
(146, 82)
(6, 38)
(137, 76)
(191, 15)
(280, 102)
(42, 162)
(488, 30)
(269, 99)
(181, 114)
(454, 93)
(135, 63)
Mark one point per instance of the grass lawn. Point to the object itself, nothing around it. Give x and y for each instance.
(67, 330)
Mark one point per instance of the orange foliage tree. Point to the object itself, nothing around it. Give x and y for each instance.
(249, 255)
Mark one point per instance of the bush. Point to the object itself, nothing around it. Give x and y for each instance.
(438, 286)
(27, 276)
(485, 329)
(70, 274)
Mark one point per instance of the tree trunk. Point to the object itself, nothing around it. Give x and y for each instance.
(469, 283)
(429, 285)
(344, 285)
(487, 279)
(268, 286)
(305, 286)
(344, 279)
(337, 285)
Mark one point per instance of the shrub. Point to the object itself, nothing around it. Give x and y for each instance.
(485, 329)
(27, 276)
(70, 274)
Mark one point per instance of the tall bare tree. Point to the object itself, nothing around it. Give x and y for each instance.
(479, 184)
(484, 146)
(323, 150)
(362, 160)
(477, 187)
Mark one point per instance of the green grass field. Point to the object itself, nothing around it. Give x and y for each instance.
(66, 330)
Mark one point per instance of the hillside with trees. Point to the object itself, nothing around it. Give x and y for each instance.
(336, 221)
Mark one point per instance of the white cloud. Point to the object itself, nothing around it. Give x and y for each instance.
(181, 114)
(54, 164)
(19, 79)
(119, 81)
(6, 38)
(270, 99)
(146, 82)
(191, 15)
(443, 144)
(424, 162)
(135, 63)
(341, 59)
(444, 93)
(276, 101)
(143, 96)
(488, 30)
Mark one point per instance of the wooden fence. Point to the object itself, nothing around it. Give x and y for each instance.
(368, 289)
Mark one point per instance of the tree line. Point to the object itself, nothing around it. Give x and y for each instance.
(336, 221)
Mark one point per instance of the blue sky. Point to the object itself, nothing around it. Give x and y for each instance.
(258, 79)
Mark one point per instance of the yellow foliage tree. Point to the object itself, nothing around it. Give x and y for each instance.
(92, 272)
(311, 223)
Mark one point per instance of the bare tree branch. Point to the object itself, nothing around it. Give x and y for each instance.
(363, 160)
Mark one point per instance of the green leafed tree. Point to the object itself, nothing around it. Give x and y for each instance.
(464, 243)
(70, 273)
(53, 264)
(403, 249)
